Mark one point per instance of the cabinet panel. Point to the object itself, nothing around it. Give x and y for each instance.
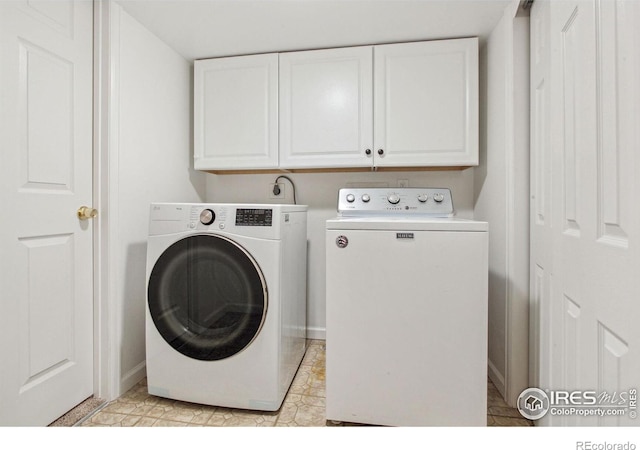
(326, 110)
(426, 103)
(236, 112)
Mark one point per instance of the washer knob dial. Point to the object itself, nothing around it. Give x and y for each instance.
(207, 216)
(366, 198)
(438, 197)
(423, 198)
(394, 199)
(351, 198)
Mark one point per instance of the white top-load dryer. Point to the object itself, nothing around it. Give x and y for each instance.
(226, 302)
(406, 310)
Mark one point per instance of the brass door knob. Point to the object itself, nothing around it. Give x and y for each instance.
(86, 213)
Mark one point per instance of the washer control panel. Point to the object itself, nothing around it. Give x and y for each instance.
(401, 201)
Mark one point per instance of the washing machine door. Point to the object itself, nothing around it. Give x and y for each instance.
(207, 297)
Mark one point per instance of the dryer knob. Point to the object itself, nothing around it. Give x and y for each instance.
(207, 216)
(351, 198)
(438, 197)
(394, 199)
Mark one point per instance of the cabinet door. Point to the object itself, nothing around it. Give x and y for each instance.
(236, 112)
(426, 103)
(326, 111)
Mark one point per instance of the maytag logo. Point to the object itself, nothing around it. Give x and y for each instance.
(404, 235)
(342, 241)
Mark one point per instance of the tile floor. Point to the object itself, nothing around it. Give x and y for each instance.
(303, 406)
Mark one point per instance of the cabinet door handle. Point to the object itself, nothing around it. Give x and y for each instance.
(367, 151)
(380, 152)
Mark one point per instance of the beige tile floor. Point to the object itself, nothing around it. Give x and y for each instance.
(304, 406)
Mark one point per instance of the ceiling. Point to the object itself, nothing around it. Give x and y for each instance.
(211, 28)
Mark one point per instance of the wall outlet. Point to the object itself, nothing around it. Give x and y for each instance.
(276, 192)
(403, 183)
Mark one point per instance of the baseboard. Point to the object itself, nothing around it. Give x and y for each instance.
(133, 377)
(316, 333)
(497, 379)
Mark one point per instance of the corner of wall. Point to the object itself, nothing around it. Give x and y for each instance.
(133, 377)
(497, 378)
(518, 269)
(501, 197)
(143, 132)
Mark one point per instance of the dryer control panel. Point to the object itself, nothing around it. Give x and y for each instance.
(435, 202)
(254, 217)
(256, 220)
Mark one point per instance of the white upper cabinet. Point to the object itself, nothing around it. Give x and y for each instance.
(326, 108)
(424, 97)
(236, 113)
(396, 105)
(426, 103)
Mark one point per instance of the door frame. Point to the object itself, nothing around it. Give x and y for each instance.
(106, 347)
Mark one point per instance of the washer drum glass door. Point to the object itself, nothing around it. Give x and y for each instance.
(207, 297)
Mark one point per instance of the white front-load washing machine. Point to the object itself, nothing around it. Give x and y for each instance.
(226, 302)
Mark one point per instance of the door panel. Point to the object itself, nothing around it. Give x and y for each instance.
(615, 144)
(46, 59)
(45, 97)
(45, 316)
(236, 112)
(326, 109)
(571, 53)
(426, 103)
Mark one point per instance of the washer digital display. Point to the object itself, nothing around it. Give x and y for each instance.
(254, 217)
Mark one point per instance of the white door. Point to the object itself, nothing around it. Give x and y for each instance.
(236, 112)
(326, 108)
(426, 103)
(592, 255)
(46, 288)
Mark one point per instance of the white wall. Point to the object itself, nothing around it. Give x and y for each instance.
(320, 192)
(489, 187)
(149, 160)
(501, 189)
